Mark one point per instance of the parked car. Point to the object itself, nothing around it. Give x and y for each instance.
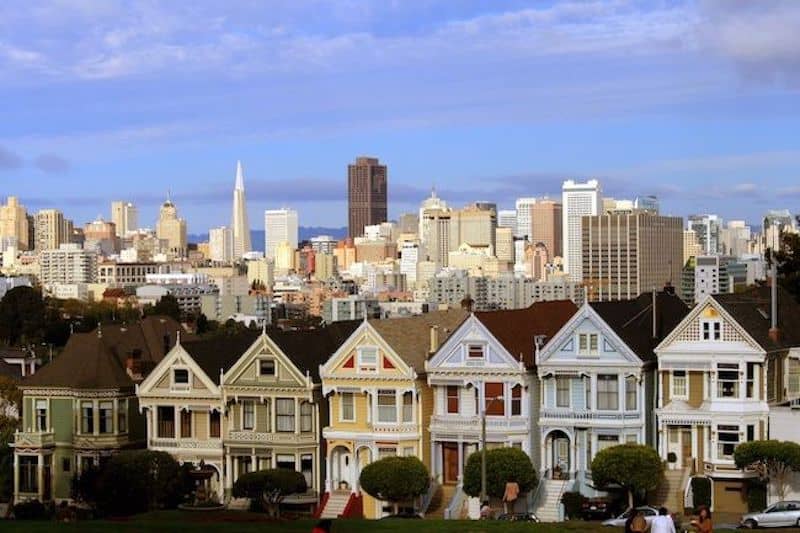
(649, 514)
(778, 514)
(519, 517)
(596, 509)
(404, 515)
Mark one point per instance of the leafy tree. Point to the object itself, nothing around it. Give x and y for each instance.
(167, 305)
(502, 466)
(633, 467)
(8, 426)
(773, 460)
(270, 487)
(135, 481)
(788, 263)
(201, 324)
(395, 479)
(22, 316)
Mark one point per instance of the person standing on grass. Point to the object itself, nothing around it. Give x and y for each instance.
(663, 523)
(703, 524)
(323, 526)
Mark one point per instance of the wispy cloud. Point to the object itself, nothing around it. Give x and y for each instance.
(9, 160)
(51, 164)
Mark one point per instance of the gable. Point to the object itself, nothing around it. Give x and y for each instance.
(264, 364)
(161, 380)
(472, 346)
(365, 354)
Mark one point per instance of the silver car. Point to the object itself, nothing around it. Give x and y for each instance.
(648, 512)
(779, 514)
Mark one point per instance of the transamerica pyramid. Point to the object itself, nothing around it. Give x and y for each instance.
(240, 226)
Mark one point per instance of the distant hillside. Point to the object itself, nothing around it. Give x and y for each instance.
(257, 236)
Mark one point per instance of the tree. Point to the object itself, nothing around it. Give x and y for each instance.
(270, 487)
(503, 465)
(8, 426)
(201, 325)
(395, 479)
(135, 481)
(22, 316)
(633, 467)
(167, 305)
(787, 259)
(773, 460)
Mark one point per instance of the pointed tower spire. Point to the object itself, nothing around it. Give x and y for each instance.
(239, 224)
(239, 177)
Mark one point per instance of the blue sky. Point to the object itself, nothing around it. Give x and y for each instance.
(697, 102)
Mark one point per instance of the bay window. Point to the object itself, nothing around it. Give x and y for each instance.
(248, 415)
(214, 425)
(186, 424)
(728, 380)
(306, 413)
(630, 394)
(87, 417)
(562, 391)
(606, 441)
(387, 406)
(284, 414)
(494, 403)
(608, 392)
(28, 474)
(452, 399)
(408, 406)
(516, 400)
(166, 422)
(106, 417)
(679, 388)
(727, 441)
(348, 410)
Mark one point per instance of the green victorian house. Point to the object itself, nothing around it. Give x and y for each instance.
(82, 407)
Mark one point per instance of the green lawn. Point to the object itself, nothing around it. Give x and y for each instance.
(247, 522)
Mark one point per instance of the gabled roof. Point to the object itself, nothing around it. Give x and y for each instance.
(632, 320)
(751, 310)
(516, 329)
(220, 352)
(410, 337)
(97, 360)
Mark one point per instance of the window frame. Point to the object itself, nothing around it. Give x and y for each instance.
(728, 368)
(607, 378)
(588, 344)
(108, 419)
(451, 400)
(723, 429)
(214, 422)
(246, 415)
(674, 381)
(407, 407)
(288, 415)
(631, 390)
(186, 423)
(122, 415)
(367, 366)
(711, 329)
(494, 408)
(475, 355)
(516, 400)
(41, 423)
(560, 390)
(274, 373)
(175, 385)
(87, 422)
(352, 407)
(384, 407)
(306, 417)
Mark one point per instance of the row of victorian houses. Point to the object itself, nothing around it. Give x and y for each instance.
(557, 381)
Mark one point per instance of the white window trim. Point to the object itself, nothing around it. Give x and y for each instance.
(398, 406)
(588, 352)
(241, 415)
(341, 407)
(673, 394)
(46, 414)
(569, 396)
(710, 322)
(369, 367)
(480, 344)
(176, 387)
(275, 367)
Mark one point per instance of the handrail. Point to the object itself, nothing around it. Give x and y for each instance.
(538, 492)
(428, 496)
(452, 511)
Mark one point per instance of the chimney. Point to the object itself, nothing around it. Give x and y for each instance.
(538, 343)
(774, 332)
(434, 339)
(655, 313)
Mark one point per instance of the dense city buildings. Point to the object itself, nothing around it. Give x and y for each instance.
(367, 199)
(125, 217)
(578, 200)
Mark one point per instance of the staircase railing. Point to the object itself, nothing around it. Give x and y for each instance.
(428, 496)
(537, 494)
(453, 509)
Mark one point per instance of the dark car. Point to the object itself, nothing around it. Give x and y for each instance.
(403, 514)
(519, 517)
(596, 509)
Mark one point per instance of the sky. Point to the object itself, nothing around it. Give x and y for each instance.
(697, 102)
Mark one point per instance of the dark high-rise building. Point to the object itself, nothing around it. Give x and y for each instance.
(366, 194)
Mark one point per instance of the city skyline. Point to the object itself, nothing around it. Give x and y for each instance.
(681, 100)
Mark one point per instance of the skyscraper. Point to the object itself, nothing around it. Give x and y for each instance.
(546, 226)
(366, 195)
(707, 228)
(220, 244)
(14, 224)
(524, 206)
(171, 228)
(52, 229)
(578, 200)
(434, 229)
(125, 216)
(280, 226)
(240, 228)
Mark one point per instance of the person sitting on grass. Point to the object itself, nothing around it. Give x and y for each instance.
(703, 524)
(486, 511)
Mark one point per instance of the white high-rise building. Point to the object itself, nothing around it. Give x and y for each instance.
(507, 218)
(410, 257)
(240, 228)
(125, 216)
(67, 264)
(578, 200)
(524, 207)
(280, 225)
(220, 244)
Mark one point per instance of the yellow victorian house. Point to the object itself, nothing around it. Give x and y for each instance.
(379, 403)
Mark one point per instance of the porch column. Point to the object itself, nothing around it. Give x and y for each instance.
(272, 414)
(460, 458)
(40, 475)
(176, 416)
(434, 461)
(16, 477)
(228, 475)
(328, 487)
(296, 416)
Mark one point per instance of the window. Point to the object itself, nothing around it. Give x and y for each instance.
(475, 351)
(408, 451)
(248, 414)
(348, 412)
(41, 415)
(516, 400)
(751, 380)
(452, 399)
(106, 417)
(712, 330)
(87, 417)
(679, 389)
(562, 391)
(386, 452)
(630, 394)
(307, 468)
(493, 401)
(631, 438)
(186, 424)
(387, 406)
(751, 433)
(244, 464)
(607, 392)
(606, 441)
(66, 464)
(214, 428)
(285, 461)
(727, 380)
(180, 378)
(368, 358)
(28, 474)
(306, 410)
(727, 440)
(266, 367)
(408, 406)
(794, 377)
(284, 414)
(587, 344)
(166, 422)
(122, 416)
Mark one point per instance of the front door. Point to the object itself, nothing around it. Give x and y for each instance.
(342, 469)
(450, 462)
(686, 447)
(47, 489)
(561, 466)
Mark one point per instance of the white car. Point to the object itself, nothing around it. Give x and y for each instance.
(779, 514)
(648, 512)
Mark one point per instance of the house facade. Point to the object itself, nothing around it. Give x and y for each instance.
(378, 398)
(82, 408)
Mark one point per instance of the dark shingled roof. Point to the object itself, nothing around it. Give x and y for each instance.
(98, 361)
(307, 349)
(410, 337)
(751, 309)
(632, 320)
(517, 328)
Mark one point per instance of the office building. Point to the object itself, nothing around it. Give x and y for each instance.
(704, 275)
(221, 244)
(280, 226)
(101, 236)
(323, 244)
(67, 264)
(546, 226)
(507, 218)
(240, 227)
(434, 229)
(52, 229)
(504, 244)
(474, 225)
(524, 207)
(171, 229)
(14, 224)
(367, 200)
(735, 238)
(707, 228)
(775, 224)
(625, 255)
(125, 217)
(578, 200)
(647, 203)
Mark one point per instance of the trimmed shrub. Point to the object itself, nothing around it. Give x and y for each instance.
(637, 468)
(573, 504)
(502, 465)
(136, 481)
(269, 487)
(701, 492)
(395, 479)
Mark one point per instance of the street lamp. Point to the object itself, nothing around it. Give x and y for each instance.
(488, 403)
